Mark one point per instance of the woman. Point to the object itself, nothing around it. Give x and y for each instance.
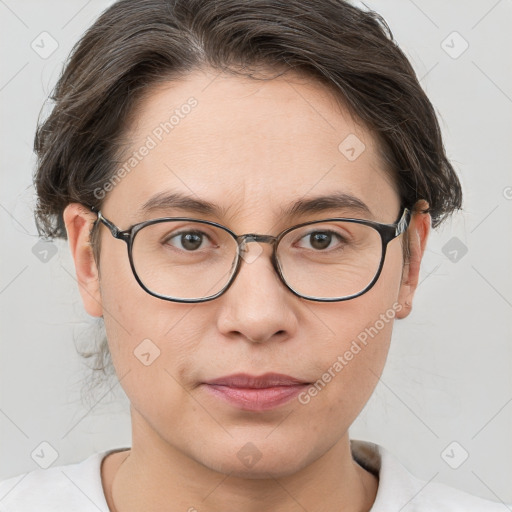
(247, 189)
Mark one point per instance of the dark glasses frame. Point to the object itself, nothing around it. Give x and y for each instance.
(387, 232)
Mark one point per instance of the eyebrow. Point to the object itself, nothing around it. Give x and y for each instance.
(179, 201)
(318, 204)
(335, 201)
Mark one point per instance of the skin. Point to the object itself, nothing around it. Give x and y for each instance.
(250, 147)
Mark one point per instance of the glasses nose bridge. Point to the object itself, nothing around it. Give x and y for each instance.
(242, 240)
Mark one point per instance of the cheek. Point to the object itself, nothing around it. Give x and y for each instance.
(348, 365)
(350, 360)
(151, 341)
(154, 349)
(147, 332)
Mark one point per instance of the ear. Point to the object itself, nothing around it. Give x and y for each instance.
(79, 221)
(417, 233)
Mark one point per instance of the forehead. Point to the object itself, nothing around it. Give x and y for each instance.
(249, 146)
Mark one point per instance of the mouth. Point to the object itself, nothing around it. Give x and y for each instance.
(256, 393)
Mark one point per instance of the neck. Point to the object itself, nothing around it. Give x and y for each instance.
(157, 476)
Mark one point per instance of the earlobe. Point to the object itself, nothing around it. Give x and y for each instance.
(418, 231)
(79, 220)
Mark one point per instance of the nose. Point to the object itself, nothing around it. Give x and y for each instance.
(257, 306)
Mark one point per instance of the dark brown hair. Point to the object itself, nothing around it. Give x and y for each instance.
(136, 44)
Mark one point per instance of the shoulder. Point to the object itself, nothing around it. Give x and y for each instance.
(436, 496)
(75, 487)
(400, 490)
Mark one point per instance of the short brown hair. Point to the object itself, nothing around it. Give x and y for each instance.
(136, 43)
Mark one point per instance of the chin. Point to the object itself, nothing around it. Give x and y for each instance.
(257, 461)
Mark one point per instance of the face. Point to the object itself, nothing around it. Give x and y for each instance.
(252, 148)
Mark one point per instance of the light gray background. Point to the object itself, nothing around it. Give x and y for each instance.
(448, 376)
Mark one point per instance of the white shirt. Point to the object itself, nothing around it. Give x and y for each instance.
(78, 487)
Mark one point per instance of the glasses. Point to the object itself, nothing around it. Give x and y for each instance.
(182, 259)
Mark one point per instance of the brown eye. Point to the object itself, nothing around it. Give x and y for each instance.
(188, 240)
(320, 240)
(191, 241)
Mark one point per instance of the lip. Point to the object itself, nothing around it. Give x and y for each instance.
(256, 393)
(267, 380)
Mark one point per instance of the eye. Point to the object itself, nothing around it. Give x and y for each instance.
(320, 240)
(188, 240)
